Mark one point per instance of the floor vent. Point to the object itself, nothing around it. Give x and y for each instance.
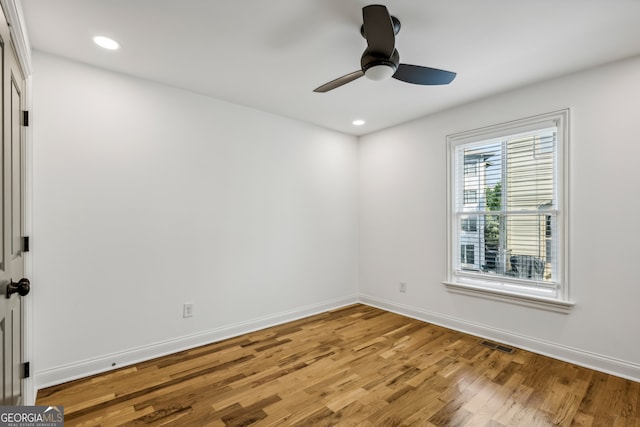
(496, 346)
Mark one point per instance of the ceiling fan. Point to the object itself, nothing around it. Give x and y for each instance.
(381, 60)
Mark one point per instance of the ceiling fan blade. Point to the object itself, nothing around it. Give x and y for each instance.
(419, 75)
(378, 30)
(339, 81)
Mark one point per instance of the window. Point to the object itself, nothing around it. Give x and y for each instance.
(470, 225)
(470, 196)
(470, 169)
(467, 253)
(507, 218)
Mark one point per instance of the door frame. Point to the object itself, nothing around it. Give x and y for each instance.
(15, 18)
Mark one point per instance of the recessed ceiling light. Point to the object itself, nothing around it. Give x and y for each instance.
(106, 42)
(358, 122)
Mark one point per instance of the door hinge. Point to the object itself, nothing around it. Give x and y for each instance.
(25, 118)
(25, 243)
(26, 369)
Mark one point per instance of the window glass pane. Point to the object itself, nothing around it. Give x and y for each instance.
(509, 245)
(529, 177)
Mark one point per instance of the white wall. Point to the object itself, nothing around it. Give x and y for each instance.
(402, 220)
(146, 196)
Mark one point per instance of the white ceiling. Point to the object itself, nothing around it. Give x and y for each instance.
(270, 55)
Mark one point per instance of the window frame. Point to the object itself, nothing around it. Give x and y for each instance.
(559, 299)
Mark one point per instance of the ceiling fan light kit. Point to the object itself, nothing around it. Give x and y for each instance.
(380, 72)
(381, 59)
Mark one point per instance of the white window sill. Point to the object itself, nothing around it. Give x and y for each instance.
(549, 304)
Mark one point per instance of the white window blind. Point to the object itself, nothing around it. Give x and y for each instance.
(506, 219)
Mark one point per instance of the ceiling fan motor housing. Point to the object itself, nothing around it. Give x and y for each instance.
(379, 68)
(394, 21)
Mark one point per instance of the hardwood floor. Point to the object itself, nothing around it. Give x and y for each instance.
(355, 366)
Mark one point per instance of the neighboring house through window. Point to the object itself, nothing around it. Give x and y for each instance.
(507, 211)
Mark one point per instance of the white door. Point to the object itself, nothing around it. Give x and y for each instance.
(13, 285)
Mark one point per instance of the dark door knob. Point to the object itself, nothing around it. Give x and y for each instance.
(22, 287)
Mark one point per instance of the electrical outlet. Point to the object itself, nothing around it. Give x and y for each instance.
(403, 287)
(187, 309)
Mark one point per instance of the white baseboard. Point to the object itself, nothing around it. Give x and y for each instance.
(598, 362)
(84, 368)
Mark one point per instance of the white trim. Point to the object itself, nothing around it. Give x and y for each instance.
(564, 123)
(549, 304)
(15, 18)
(29, 391)
(518, 126)
(84, 368)
(587, 359)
